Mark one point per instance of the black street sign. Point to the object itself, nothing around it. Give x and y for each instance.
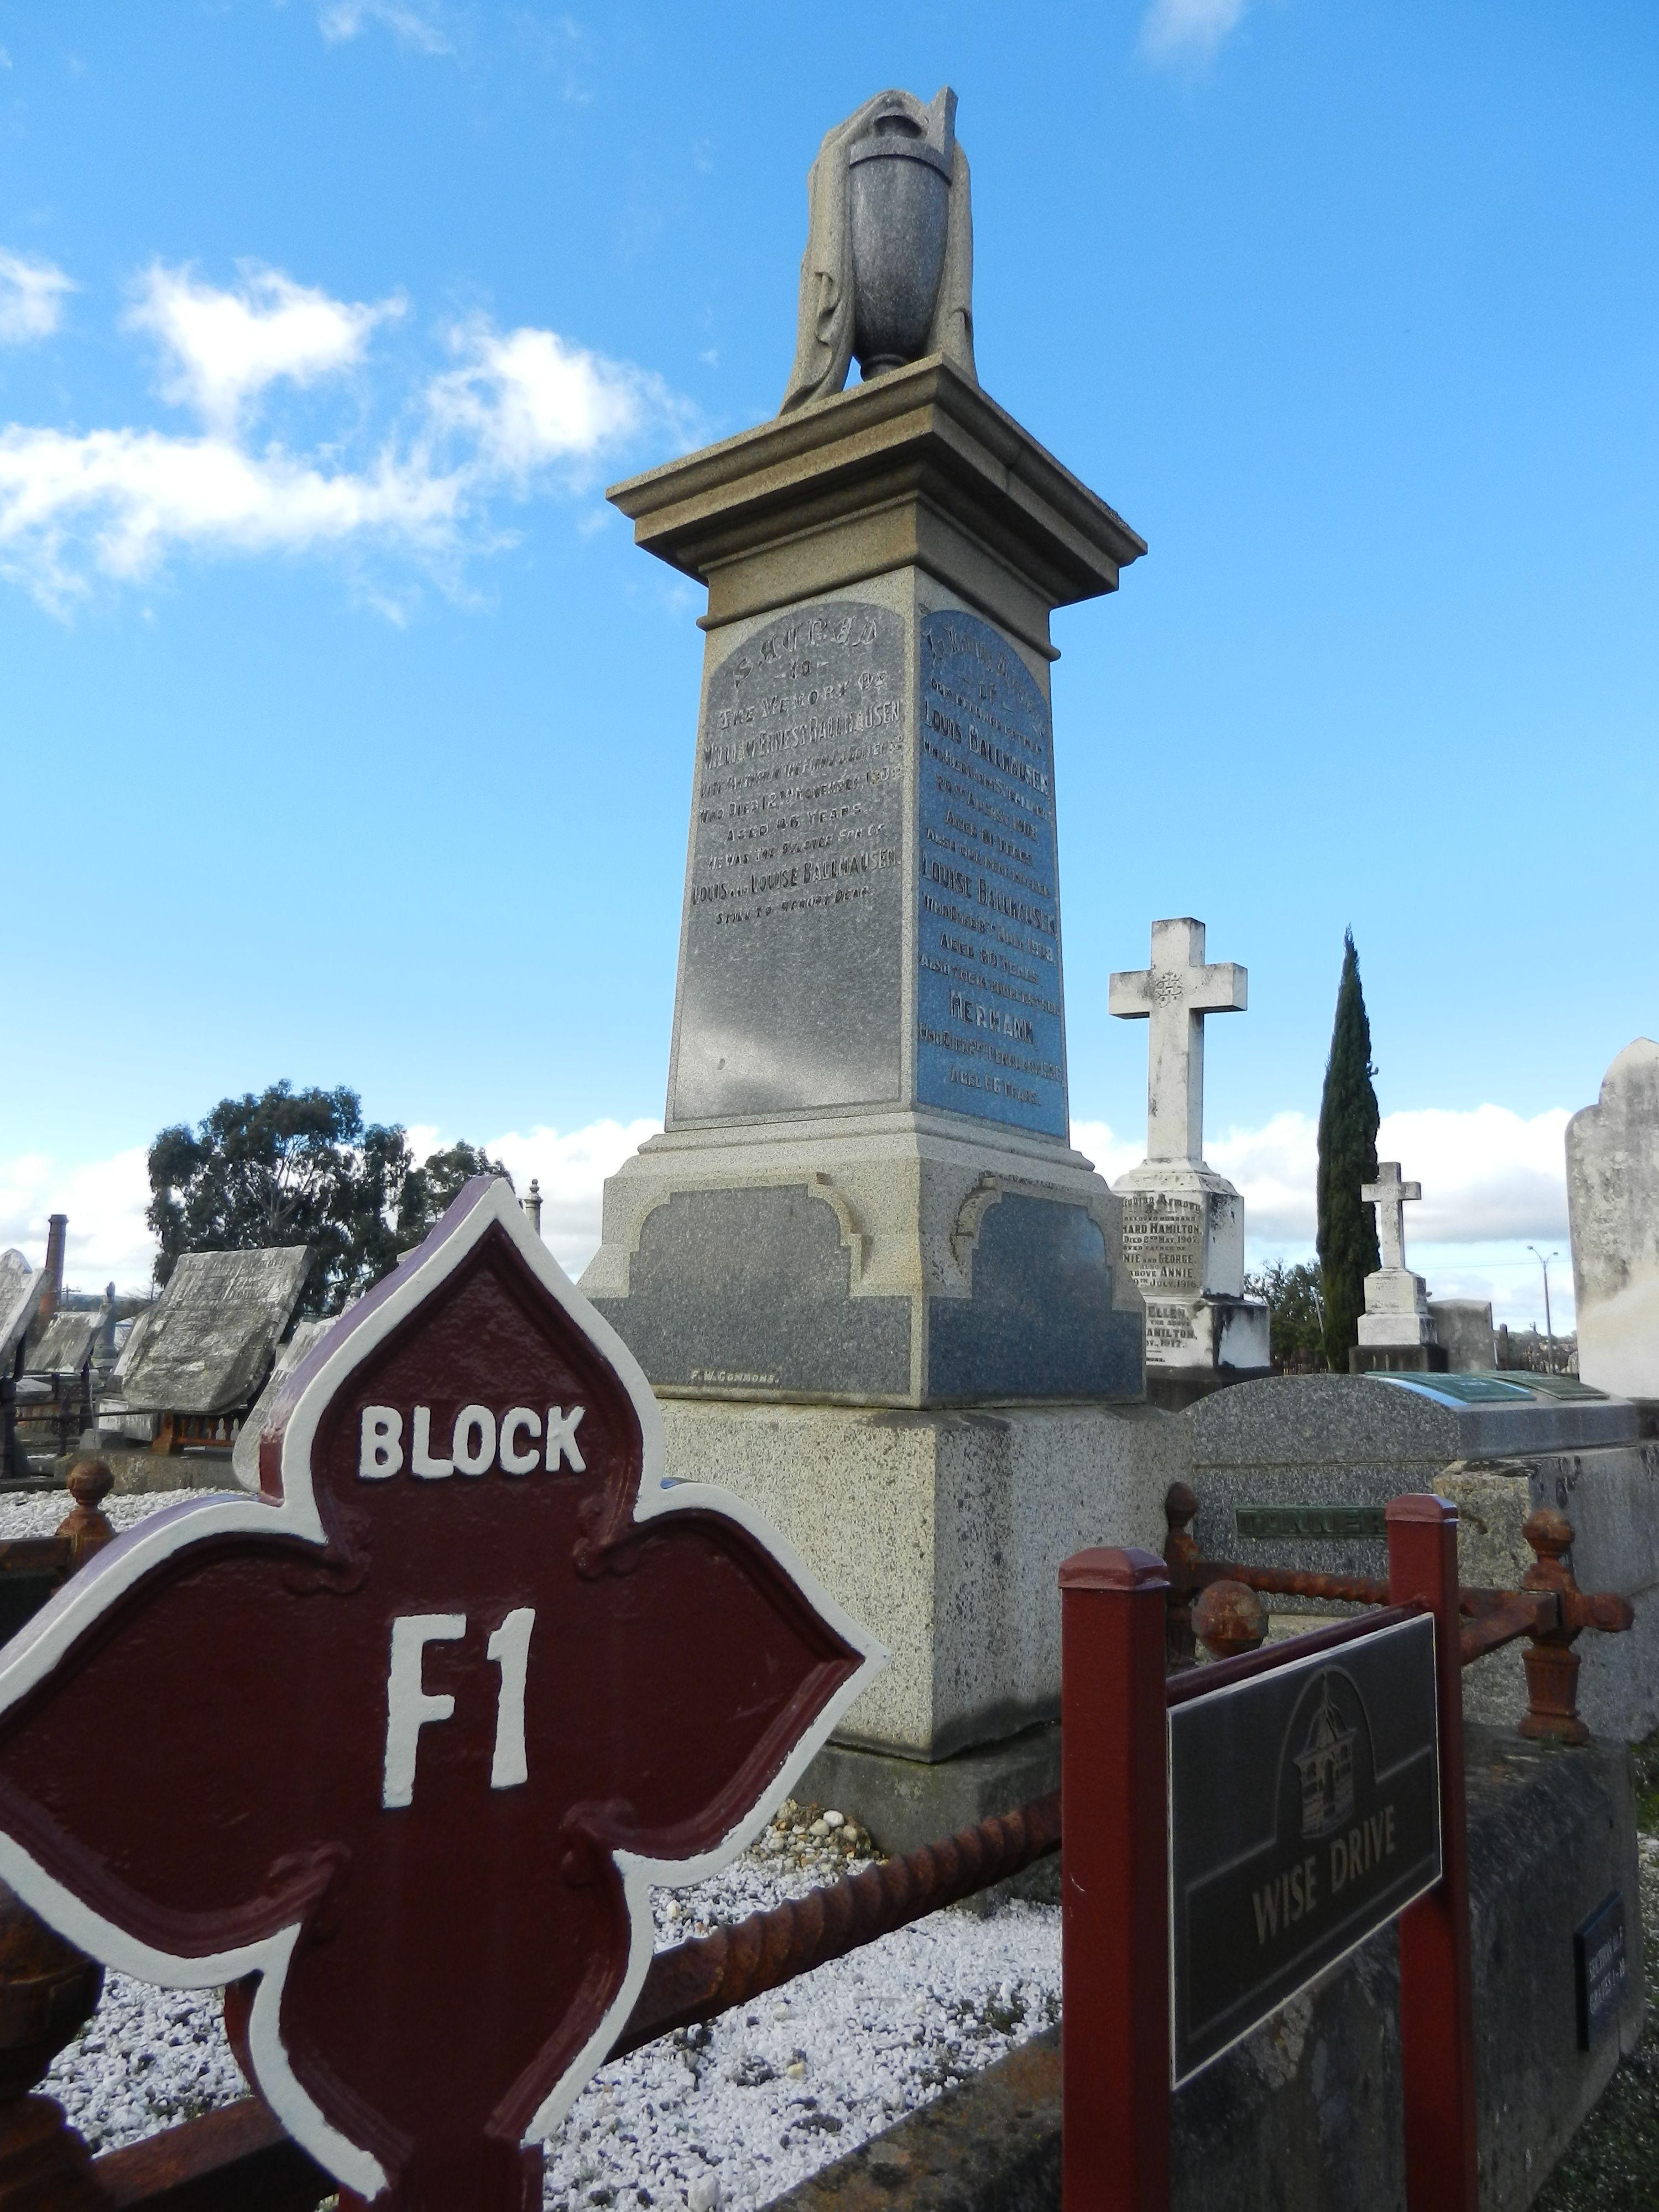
(1304, 1815)
(1602, 1969)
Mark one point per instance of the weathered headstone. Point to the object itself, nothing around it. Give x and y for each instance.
(1463, 1330)
(1183, 1225)
(1396, 1329)
(22, 1289)
(864, 1200)
(211, 1338)
(1295, 1472)
(398, 1748)
(1612, 1205)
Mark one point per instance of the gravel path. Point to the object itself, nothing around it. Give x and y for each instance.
(724, 2116)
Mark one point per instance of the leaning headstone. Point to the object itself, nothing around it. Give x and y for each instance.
(1183, 1225)
(22, 1289)
(1612, 1206)
(244, 1453)
(1396, 1330)
(210, 1341)
(864, 1201)
(1463, 1330)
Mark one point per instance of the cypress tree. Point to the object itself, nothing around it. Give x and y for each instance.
(1348, 1158)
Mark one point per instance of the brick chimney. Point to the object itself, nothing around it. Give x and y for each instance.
(57, 1231)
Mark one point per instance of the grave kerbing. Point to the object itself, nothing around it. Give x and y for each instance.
(1183, 1225)
(865, 1202)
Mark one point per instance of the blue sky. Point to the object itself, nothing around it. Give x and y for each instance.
(346, 736)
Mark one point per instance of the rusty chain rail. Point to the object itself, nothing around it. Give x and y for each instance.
(242, 2152)
(709, 1975)
(1215, 1601)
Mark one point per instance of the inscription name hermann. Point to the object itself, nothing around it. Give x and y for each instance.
(990, 1032)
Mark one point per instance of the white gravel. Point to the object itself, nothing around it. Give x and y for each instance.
(723, 2116)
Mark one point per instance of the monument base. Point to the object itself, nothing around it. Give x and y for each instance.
(906, 1803)
(895, 1256)
(1397, 1359)
(942, 1534)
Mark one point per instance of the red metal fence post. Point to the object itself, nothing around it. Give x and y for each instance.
(1114, 1967)
(1436, 2013)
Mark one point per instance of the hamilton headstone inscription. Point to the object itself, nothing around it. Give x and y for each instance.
(1183, 1225)
(401, 1812)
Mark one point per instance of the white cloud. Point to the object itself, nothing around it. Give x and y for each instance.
(518, 405)
(571, 1170)
(31, 298)
(416, 23)
(224, 347)
(1492, 1183)
(120, 499)
(527, 397)
(105, 1201)
(1189, 30)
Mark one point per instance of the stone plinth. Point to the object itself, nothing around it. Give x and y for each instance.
(1613, 1204)
(945, 1532)
(864, 1192)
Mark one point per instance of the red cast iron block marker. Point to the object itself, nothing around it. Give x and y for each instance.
(400, 1746)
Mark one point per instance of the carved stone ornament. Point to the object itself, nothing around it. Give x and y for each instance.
(888, 274)
(399, 1747)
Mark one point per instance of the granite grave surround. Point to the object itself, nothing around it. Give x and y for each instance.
(1497, 1446)
(1612, 1208)
(1183, 1225)
(865, 1205)
(1307, 2111)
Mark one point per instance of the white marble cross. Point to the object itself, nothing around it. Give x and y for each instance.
(1389, 1195)
(1174, 994)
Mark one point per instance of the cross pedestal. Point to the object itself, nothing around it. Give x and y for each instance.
(1396, 1320)
(1183, 1225)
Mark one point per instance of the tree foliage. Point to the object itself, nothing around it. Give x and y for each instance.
(1348, 1120)
(1296, 1301)
(299, 1167)
(430, 1189)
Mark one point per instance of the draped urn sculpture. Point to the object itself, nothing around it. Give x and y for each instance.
(887, 276)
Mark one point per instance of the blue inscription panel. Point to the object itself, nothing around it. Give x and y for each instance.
(990, 1034)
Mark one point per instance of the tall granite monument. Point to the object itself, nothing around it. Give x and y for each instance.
(864, 1218)
(1183, 1225)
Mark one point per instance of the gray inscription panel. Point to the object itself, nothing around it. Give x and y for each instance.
(789, 992)
(1163, 1242)
(990, 1039)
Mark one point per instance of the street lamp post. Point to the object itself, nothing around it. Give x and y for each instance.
(1543, 1260)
